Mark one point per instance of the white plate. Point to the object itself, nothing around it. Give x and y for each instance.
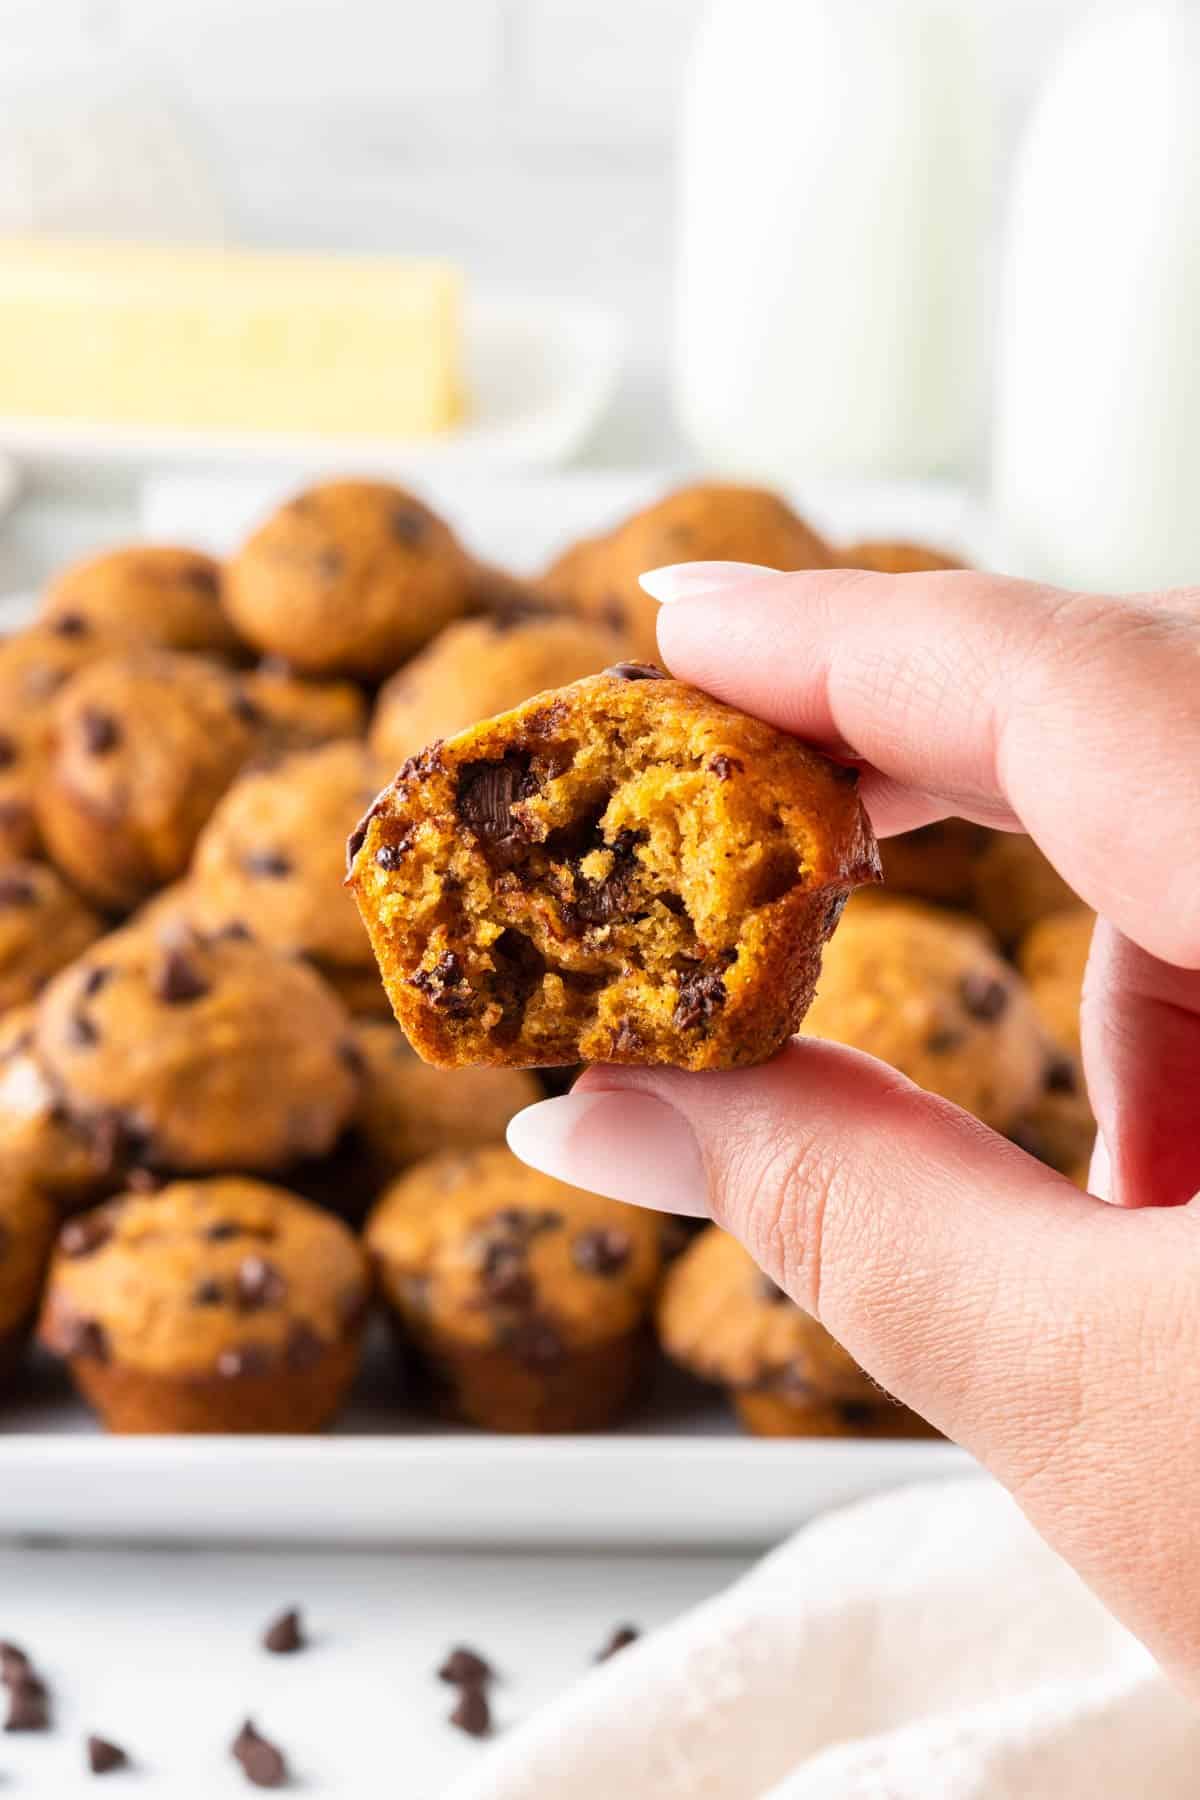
(682, 1474)
(539, 375)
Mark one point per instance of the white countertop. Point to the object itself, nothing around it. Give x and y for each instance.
(158, 1650)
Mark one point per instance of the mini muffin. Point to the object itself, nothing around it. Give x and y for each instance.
(71, 1165)
(936, 862)
(28, 1222)
(142, 596)
(525, 1299)
(623, 870)
(721, 1318)
(34, 664)
(349, 578)
(408, 1110)
(271, 861)
(299, 713)
(43, 927)
(708, 522)
(142, 748)
(1059, 1127)
(481, 667)
(888, 556)
(1015, 886)
(923, 991)
(210, 1306)
(199, 1054)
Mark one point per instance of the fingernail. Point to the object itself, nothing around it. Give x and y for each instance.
(1100, 1171)
(683, 581)
(628, 1146)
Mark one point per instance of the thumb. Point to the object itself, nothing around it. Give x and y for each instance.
(960, 1273)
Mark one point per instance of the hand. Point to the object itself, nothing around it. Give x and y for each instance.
(1056, 1336)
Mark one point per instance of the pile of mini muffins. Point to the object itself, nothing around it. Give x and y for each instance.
(219, 1158)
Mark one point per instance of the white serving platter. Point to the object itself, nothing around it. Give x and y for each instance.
(682, 1474)
(539, 373)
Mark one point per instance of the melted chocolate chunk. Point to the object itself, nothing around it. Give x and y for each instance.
(445, 986)
(99, 731)
(604, 1251)
(701, 995)
(17, 890)
(983, 996)
(600, 902)
(723, 766)
(179, 981)
(390, 856)
(487, 793)
(637, 671)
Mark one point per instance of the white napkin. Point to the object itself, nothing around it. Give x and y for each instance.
(925, 1645)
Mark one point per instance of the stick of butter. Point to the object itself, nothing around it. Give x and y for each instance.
(228, 340)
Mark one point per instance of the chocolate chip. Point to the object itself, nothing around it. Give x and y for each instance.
(235, 931)
(466, 1668)
(263, 1764)
(390, 856)
(284, 1635)
(723, 766)
(506, 1281)
(94, 980)
(69, 625)
(99, 731)
(221, 1230)
(272, 865)
(8, 751)
(599, 902)
(259, 1285)
(80, 1032)
(85, 1337)
(85, 1235)
(179, 981)
(983, 996)
(621, 1638)
(637, 671)
(445, 986)
(942, 1043)
(487, 792)
(243, 1360)
(28, 1709)
(103, 1757)
(1062, 1076)
(14, 1664)
(700, 996)
(604, 1251)
(472, 1713)
(304, 1348)
(408, 525)
(208, 1292)
(17, 890)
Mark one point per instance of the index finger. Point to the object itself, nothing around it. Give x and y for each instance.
(1070, 715)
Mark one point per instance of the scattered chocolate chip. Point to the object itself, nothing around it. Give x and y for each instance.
(208, 1292)
(28, 1709)
(94, 980)
(983, 996)
(14, 1664)
(81, 1032)
(621, 1638)
(472, 1714)
(86, 1337)
(770, 1291)
(103, 1757)
(179, 981)
(506, 1281)
(700, 996)
(243, 1360)
(637, 671)
(408, 525)
(1062, 1076)
(723, 766)
(263, 1763)
(69, 625)
(284, 1635)
(272, 865)
(599, 902)
(445, 986)
(8, 751)
(259, 1285)
(466, 1668)
(304, 1348)
(84, 1235)
(487, 792)
(604, 1251)
(17, 890)
(390, 856)
(99, 731)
